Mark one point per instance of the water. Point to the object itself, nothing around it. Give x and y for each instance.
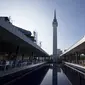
(48, 78)
(47, 75)
(55, 76)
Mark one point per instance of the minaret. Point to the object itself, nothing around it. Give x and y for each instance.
(55, 25)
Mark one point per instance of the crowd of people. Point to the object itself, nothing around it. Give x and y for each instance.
(8, 64)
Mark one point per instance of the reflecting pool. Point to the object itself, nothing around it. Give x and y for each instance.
(47, 75)
(55, 76)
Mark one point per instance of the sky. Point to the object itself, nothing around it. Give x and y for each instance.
(37, 15)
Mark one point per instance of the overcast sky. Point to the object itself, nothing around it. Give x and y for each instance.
(38, 15)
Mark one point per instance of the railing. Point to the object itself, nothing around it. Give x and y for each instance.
(79, 69)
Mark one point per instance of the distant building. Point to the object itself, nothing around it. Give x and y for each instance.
(59, 52)
(65, 50)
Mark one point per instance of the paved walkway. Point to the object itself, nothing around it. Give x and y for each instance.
(14, 70)
(76, 65)
(80, 69)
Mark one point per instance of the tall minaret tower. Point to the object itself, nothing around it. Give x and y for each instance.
(55, 25)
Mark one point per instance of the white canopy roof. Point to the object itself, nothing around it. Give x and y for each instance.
(78, 46)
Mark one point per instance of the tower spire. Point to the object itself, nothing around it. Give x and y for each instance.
(55, 20)
(54, 14)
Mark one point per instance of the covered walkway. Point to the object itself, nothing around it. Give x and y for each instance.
(16, 47)
(74, 53)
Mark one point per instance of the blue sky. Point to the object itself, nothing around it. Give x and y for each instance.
(38, 15)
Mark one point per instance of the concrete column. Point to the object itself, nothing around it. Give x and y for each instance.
(32, 57)
(65, 58)
(22, 57)
(76, 55)
(17, 51)
(71, 58)
(74, 59)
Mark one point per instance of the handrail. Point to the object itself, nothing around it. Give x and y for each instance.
(75, 67)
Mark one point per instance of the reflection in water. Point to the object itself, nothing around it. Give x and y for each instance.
(44, 76)
(75, 77)
(33, 78)
(54, 76)
(48, 78)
